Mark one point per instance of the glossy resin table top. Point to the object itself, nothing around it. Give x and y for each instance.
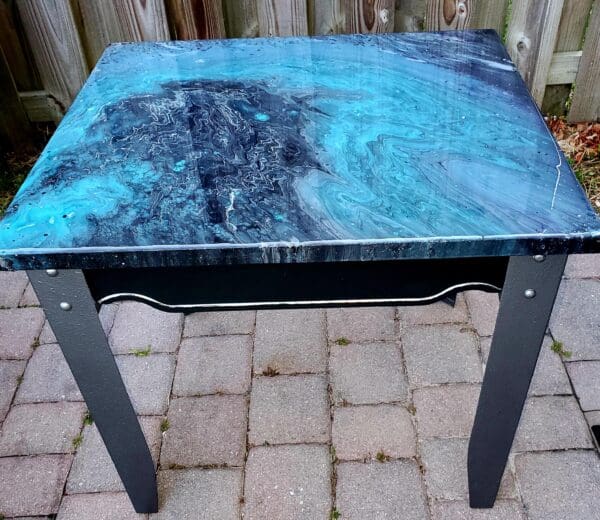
(353, 147)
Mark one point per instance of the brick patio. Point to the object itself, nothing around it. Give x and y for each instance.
(301, 414)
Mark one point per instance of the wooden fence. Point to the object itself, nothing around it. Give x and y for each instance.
(49, 46)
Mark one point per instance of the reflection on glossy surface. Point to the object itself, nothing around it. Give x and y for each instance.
(428, 138)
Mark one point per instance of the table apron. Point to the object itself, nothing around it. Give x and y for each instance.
(263, 286)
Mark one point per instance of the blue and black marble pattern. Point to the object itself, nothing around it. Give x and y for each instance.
(353, 147)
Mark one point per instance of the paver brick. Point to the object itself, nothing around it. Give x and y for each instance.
(47, 335)
(289, 409)
(445, 462)
(12, 287)
(47, 378)
(361, 432)
(291, 482)
(138, 326)
(19, 328)
(199, 494)
(585, 376)
(361, 324)
(551, 423)
(290, 341)
(33, 429)
(559, 485)
(441, 354)
(549, 378)
(219, 323)
(32, 485)
(10, 372)
(93, 470)
(107, 315)
(583, 266)
(98, 506)
(210, 365)
(460, 510)
(575, 320)
(380, 491)
(483, 307)
(446, 411)
(593, 418)
(29, 298)
(435, 313)
(367, 373)
(148, 381)
(206, 430)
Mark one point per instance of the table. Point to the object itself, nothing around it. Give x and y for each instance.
(297, 172)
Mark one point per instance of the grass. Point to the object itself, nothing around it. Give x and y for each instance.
(77, 441)
(164, 425)
(382, 457)
(142, 352)
(342, 342)
(88, 420)
(335, 514)
(559, 348)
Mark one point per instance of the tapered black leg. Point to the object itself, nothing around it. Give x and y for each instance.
(71, 311)
(527, 299)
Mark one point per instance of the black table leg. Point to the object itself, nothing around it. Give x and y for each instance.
(72, 313)
(527, 299)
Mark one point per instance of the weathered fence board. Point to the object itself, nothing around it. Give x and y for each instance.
(445, 15)
(282, 17)
(369, 16)
(54, 40)
(121, 21)
(241, 18)
(409, 15)
(326, 16)
(142, 20)
(195, 19)
(563, 68)
(586, 98)
(570, 37)
(40, 106)
(68, 36)
(530, 41)
(101, 27)
(16, 51)
(489, 14)
(14, 125)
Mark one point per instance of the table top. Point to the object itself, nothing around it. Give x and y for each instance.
(354, 147)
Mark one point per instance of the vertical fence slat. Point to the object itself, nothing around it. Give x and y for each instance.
(530, 40)
(586, 98)
(16, 51)
(409, 15)
(241, 18)
(52, 34)
(489, 14)
(143, 20)
(570, 36)
(195, 19)
(369, 16)
(121, 20)
(101, 26)
(14, 125)
(326, 16)
(445, 15)
(282, 17)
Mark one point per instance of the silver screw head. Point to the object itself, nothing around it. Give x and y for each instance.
(51, 272)
(539, 258)
(529, 293)
(65, 306)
